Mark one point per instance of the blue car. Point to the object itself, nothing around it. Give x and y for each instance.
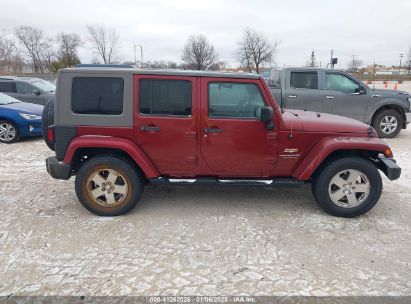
(18, 119)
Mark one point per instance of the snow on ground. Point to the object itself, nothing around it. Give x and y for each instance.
(190, 241)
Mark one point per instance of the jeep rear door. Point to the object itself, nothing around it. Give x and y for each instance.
(165, 121)
(233, 141)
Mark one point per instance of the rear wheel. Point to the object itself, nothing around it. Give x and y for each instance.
(8, 132)
(387, 123)
(347, 187)
(108, 185)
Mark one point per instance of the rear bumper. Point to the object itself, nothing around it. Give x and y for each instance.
(58, 170)
(389, 167)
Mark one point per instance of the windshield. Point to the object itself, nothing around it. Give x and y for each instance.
(6, 99)
(44, 85)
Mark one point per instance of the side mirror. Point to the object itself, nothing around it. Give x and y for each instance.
(35, 92)
(266, 114)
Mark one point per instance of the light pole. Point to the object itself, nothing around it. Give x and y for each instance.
(399, 70)
(141, 54)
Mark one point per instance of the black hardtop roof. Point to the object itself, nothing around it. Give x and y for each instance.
(169, 72)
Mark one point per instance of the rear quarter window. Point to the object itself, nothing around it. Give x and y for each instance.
(7, 87)
(97, 95)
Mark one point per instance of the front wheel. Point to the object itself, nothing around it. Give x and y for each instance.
(8, 132)
(347, 187)
(387, 123)
(108, 185)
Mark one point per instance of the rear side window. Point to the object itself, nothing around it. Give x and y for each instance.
(304, 80)
(24, 88)
(165, 97)
(97, 95)
(234, 100)
(7, 87)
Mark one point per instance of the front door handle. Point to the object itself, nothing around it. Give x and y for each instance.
(149, 128)
(292, 96)
(329, 97)
(213, 130)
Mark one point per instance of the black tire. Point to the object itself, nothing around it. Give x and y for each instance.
(6, 139)
(132, 179)
(378, 119)
(322, 180)
(47, 119)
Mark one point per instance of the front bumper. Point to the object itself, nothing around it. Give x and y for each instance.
(407, 118)
(58, 170)
(389, 167)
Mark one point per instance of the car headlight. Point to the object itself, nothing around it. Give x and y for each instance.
(29, 116)
(409, 99)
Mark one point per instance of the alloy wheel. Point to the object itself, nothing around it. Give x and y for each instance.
(7, 132)
(388, 124)
(107, 187)
(349, 188)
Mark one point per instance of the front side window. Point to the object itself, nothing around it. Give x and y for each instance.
(234, 100)
(338, 82)
(97, 95)
(165, 97)
(304, 80)
(24, 88)
(7, 87)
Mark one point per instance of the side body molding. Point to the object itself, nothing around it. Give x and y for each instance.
(122, 144)
(328, 145)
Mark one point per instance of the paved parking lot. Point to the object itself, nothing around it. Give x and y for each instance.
(191, 241)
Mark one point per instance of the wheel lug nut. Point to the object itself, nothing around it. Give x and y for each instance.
(103, 189)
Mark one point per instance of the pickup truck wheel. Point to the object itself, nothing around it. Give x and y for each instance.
(8, 132)
(347, 187)
(387, 123)
(108, 186)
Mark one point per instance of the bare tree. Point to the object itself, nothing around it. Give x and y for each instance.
(354, 64)
(67, 50)
(47, 53)
(105, 42)
(254, 50)
(7, 50)
(32, 39)
(198, 53)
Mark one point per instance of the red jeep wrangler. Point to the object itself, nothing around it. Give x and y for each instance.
(120, 129)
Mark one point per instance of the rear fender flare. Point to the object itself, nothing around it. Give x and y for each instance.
(326, 146)
(122, 144)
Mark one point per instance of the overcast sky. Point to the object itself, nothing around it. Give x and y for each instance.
(372, 30)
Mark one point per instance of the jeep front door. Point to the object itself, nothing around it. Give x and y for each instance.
(234, 142)
(165, 121)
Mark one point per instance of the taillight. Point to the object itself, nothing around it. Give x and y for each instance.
(50, 133)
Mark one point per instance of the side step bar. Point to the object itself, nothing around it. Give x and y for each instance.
(205, 181)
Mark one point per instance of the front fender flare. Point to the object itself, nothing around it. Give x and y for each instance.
(328, 145)
(123, 144)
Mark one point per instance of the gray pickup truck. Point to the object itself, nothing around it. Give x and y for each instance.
(337, 92)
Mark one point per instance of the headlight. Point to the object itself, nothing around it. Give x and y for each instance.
(30, 116)
(409, 99)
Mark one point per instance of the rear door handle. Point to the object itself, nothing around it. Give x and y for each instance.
(149, 128)
(329, 97)
(213, 130)
(292, 96)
